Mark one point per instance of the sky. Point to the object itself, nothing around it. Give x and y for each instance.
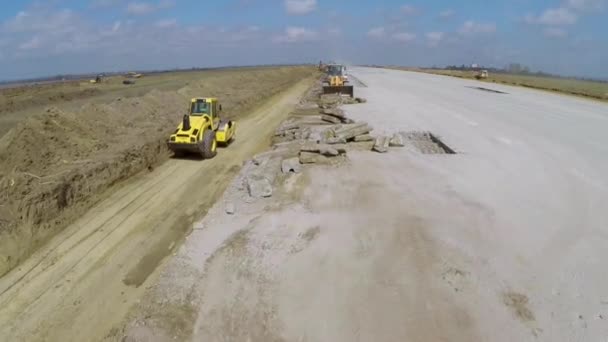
(43, 38)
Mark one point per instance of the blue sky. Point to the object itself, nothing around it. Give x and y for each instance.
(50, 37)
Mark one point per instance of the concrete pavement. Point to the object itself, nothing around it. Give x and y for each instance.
(529, 187)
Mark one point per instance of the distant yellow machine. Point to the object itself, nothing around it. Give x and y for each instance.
(481, 74)
(97, 79)
(336, 81)
(202, 129)
(133, 74)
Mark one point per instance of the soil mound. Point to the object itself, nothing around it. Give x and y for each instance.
(57, 164)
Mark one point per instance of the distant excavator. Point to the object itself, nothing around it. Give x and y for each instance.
(335, 82)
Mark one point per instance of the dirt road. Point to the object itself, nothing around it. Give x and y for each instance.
(84, 281)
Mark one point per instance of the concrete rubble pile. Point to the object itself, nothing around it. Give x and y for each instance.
(316, 132)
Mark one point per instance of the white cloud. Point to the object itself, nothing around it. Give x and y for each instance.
(586, 5)
(434, 38)
(40, 21)
(140, 8)
(409, 10)
(376, 32)
(553, 16)
(445, 14)
(470, 27)
(300, 7)
(297, 34)
(166, 23)
(164, 4)
(33, 43)
(403, 37)
(143, 8)
(334, 31)
(116, 26)
(105, 3)
(554, 32)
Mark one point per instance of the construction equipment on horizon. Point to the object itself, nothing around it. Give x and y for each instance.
(481, 74)
(336, 81)
(98, 79)
(202, 129)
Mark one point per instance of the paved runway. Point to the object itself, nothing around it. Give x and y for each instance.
(524, 202)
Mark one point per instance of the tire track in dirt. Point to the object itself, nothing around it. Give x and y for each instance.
(74, 288)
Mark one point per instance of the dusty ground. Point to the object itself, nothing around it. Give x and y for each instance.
(502, 241)
(57, 163)
(82, 283)
(19, 103)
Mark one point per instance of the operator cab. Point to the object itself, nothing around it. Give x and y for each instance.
(205, 106)
(336, 70)
(200, 107)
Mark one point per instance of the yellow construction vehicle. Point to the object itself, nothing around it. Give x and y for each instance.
(98, 79)
(133, 74)
(481, 74)
(202, 129)
(336, 81)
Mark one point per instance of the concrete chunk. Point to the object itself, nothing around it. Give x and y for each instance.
(291, 165)
(333, 112)
(258, 186)
(325, 149)
(230, 208)
(381, 144)
(363, 137)
(331, 119)
(348, 127)
(332, 141)
(354, 132)
(397, 140)
(261, 158)
(313, 158)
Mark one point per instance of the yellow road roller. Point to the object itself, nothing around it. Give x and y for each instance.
(202, 130)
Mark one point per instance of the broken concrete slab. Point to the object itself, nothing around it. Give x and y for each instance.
(363, 137)
(337, 112)
(382, 144)
(361, 146)
(314, 158)
(348, 127)
(291, 165)
(332, 141)
(230, 208)
(397, 140)
(258, 186)
(261, 158)
(331, 119)
(325, 149)
(353, 132)
(270, 168)
(289, 145)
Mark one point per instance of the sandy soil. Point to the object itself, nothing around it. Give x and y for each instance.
(56, 164)
(83, 282)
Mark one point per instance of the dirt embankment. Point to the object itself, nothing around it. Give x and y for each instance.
(56, 164)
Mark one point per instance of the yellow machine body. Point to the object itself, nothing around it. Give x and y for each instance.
(336, 81)
(201, 130)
